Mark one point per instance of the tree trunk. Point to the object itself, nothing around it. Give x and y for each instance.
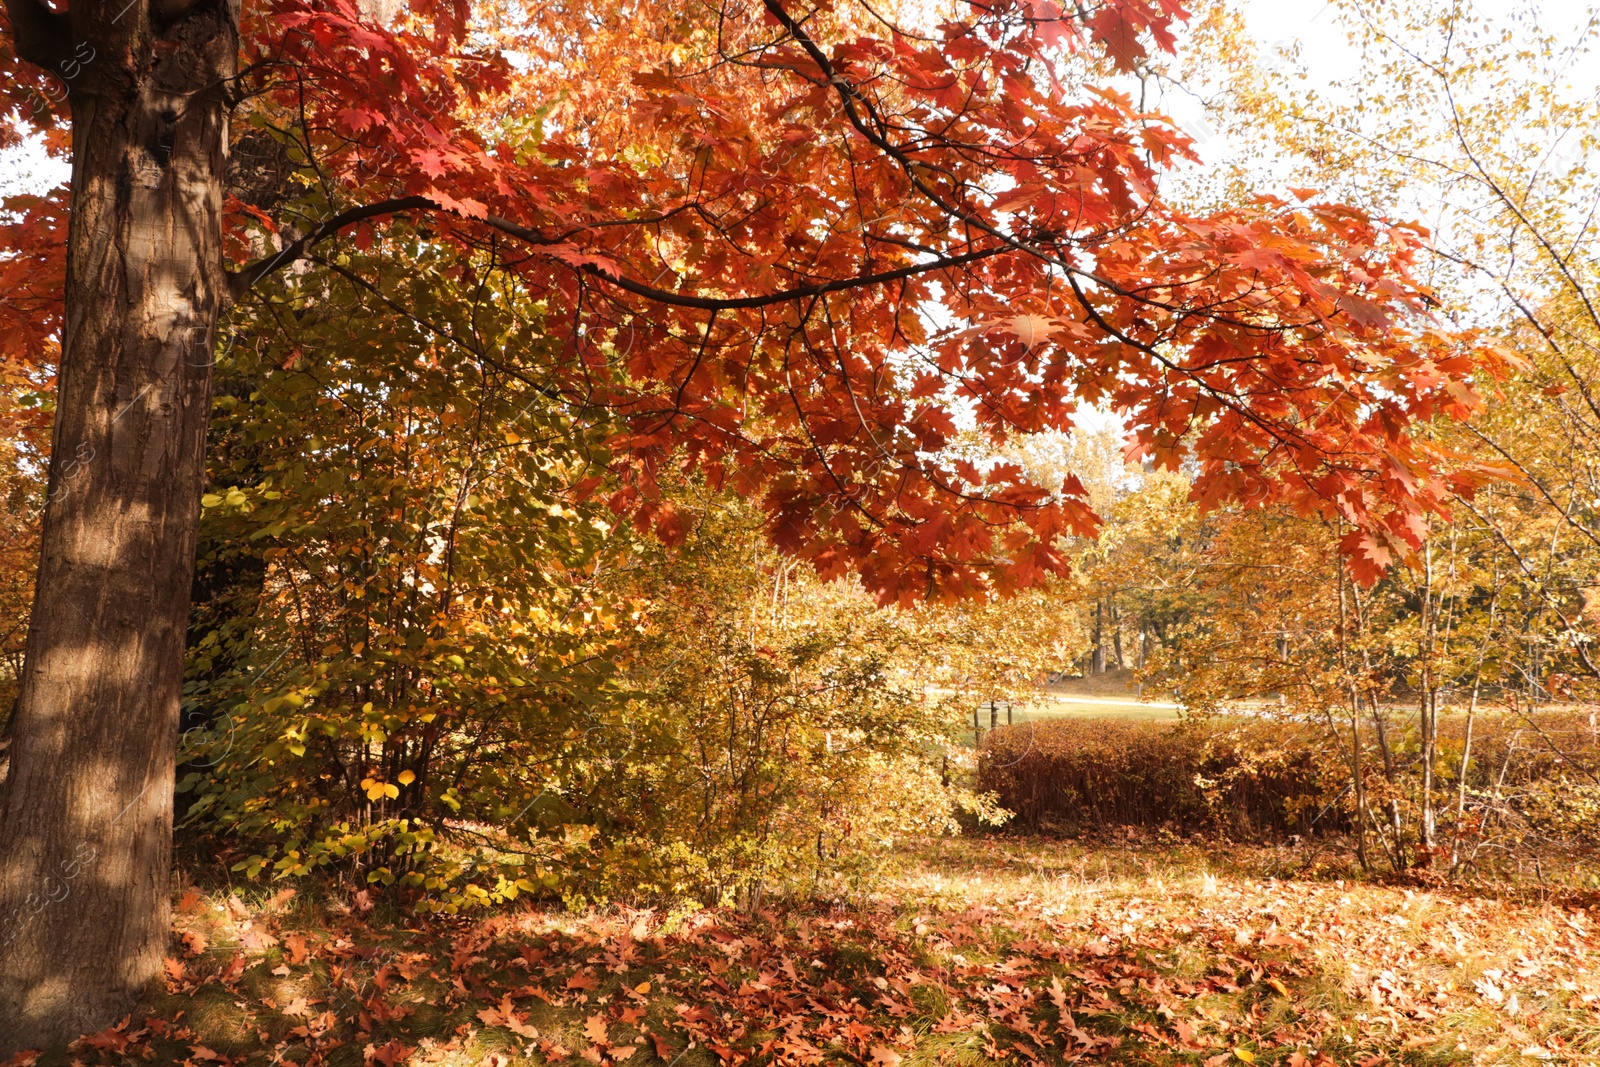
(1358, 778)
(1097, 662)
(1396, 821)
(86, 815)
(1116, 637)
(1428, 714)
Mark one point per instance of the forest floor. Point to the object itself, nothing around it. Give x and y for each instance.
(972, 953)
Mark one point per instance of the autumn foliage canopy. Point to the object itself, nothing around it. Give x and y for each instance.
(796, 249)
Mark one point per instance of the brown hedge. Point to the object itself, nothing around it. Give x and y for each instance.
(1532, 776)
(1241, 779)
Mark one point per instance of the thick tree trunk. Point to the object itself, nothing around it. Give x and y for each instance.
(86, 815)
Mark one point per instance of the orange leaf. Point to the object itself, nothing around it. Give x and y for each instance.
(391, 1054)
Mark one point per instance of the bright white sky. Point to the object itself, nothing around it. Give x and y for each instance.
(1311, 23)
(1278, 26)
(29, 170)
(1324, 50)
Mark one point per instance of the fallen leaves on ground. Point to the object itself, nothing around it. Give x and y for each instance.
(979, 954)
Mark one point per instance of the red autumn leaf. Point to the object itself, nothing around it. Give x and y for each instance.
(505, 1015)
(884, 1056)
(1115, 28)
(467, 208)
(392, 1053)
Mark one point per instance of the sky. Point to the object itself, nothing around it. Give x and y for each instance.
(28, 170)
(1309, 22)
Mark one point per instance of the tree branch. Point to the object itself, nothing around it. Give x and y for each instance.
(41, 36)
(241, 280)
(736, 303)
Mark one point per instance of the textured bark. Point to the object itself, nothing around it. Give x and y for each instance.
(86, 814)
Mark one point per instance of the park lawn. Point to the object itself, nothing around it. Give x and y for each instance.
(1049, 706)
(972, 953)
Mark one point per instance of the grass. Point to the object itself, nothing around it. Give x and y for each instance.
(1112, 695)
(1047, 705)
(1054, 706)
(970, 953)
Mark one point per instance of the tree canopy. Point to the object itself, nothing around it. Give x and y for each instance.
(799, 248)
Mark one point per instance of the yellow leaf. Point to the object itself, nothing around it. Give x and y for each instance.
(391, 791)
(407, 777)
(1283, 990)
(1245, 1054)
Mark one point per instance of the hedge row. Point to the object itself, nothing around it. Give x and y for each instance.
(1249, 780)
(1268, 779)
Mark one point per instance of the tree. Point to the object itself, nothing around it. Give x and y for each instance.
(744, 219)
(1488, 120)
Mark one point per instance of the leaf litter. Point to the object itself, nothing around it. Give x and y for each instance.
(971, 953)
